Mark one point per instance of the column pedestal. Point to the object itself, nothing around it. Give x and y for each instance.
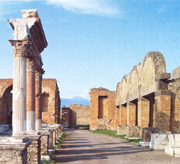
(14, 150)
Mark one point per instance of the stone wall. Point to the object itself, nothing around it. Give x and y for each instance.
(65, 117)
(102, 108)
(50, 101)
(6, 101)
(145, 96)
(174, 87)
(79, 114)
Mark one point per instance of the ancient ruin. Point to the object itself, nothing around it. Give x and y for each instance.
(79, 115)
(65, 116)
(21, 108)
(50, 108)
(50, 101)
(148, 99)
(102, 109)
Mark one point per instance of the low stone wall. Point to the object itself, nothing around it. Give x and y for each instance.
(13, 150)
(146, 133)
(129, 131)
(45, 144)
(34, 152)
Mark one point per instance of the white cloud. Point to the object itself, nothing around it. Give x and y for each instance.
(96, 7)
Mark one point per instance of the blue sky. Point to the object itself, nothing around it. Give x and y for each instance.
(94, 43)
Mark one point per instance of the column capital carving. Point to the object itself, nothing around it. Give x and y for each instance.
(38, 75)
(30, 66)
(20, 47)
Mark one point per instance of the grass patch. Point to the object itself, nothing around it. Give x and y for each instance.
(47, 162)
(113, 133)
(79, 126)
(61, 140)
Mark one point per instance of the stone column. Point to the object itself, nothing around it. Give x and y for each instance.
(143, 112)
(30, 104)
(19, 85)
(38, 90)
(123, 115)
(131, 114)
(163, 110)
(162, 102)
(116, 118)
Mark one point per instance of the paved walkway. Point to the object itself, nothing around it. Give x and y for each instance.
(83, 147)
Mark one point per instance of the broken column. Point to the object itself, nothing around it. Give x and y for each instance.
(30, 95)
(38, 90)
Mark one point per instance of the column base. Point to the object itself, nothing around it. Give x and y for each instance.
(30, 120)
(38, 124)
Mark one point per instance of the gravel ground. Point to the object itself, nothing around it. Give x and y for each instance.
(84, 147)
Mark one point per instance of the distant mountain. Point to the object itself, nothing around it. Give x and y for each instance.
(74, 100)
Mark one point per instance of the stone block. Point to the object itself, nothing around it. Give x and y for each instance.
(176, 73)
(146, 136)
(122, 130)
(159, 141)
(130, 131)
(13, 150)
(163, 76)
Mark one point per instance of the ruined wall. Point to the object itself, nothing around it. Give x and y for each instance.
(6, 101)
(174, 87)
(50, 101)
(65, 116)
(79, 114)
(102, 108)
(143, 96)
(141, 81)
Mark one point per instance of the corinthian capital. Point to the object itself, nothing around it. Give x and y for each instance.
(30, 65)
(20, 47)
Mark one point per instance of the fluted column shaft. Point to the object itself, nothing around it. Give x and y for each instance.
(19, 85)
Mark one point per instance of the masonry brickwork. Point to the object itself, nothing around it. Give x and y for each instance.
(79, 114)
(102, 108)
(50, 101)
(65, 116)
(148, 98)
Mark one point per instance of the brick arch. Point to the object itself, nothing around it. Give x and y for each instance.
(141, 80)
(124, 89)
(133, 84)
(6, 101)
(158, 61)
(152, 65)
(4, 85)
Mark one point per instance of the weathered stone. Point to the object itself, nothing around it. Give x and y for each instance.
(102, 107)
(14, 150)
(79, 114)
(129, 131)
(50, 102)
(176, 73)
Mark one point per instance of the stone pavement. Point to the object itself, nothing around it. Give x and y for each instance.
(83, 147)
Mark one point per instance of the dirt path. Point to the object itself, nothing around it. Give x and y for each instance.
(83, 147)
